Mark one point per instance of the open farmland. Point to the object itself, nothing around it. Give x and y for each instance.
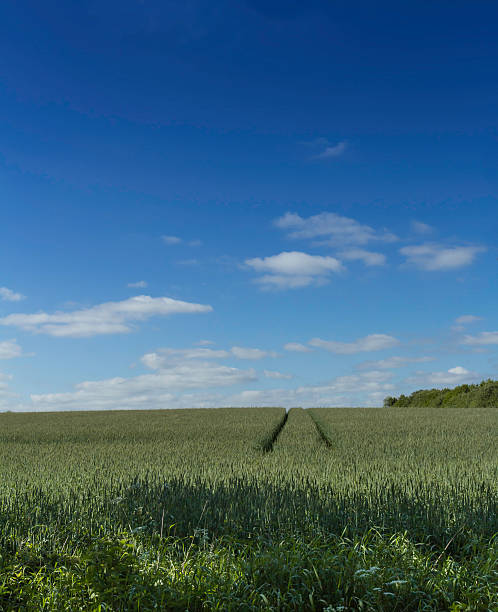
(385, 509)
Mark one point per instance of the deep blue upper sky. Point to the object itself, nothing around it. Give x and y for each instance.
(163, 143)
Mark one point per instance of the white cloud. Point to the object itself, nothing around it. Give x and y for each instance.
(453, 376)
(483, 338)
(331, 151)
(373, 342)
(171, 239)
(333, 229)
(7, 295)
(458, 371)
(164, 357)
(153, 361)
(369, 258)
(376, 376)
(297, 347)
(176, 372)
(433, 257)
(277, 375)
(204, 342)
(175, 385)
(293, 269)
(8, 399)
(421, 228)
(10, 349)
(148, 391)
(392, 362)
(250, 353)
(138, 285)
(279, 281)
(366, 389)
(295, 263)
(106, 318)
(465, 319)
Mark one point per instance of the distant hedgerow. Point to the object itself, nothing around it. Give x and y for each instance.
(482, 395)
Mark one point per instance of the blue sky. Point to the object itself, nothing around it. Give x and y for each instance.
(246, 203)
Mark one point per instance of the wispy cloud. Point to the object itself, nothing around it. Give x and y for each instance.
(164, 357)
(171, 240)
(421, 228)
(276, 375)
(454, 376)
(332, 150)
(175, 371)
(106, 318)
(484, 338)
(7, 295)
(293, 269)
(171, 388)
(432, 257)
(138, 285)
(392, 362)
(241, 352)
(369, 258)
(146, 391)
(297, 347)
(341, 391)
(10, 349)
(8, 399)
(373, 342)
(333, 229)
(466, 319)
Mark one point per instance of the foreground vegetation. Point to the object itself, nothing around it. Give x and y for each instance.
(129, 572)
(248, 509)
(482, 395)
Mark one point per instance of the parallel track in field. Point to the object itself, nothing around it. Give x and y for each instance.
(321, 432)
(268, 447)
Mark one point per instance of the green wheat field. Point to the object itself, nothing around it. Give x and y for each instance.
(250, 509)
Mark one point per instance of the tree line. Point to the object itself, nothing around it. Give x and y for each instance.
(483, 394)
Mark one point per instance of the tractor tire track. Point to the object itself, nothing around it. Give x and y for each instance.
(324, 436)
(267, 445)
